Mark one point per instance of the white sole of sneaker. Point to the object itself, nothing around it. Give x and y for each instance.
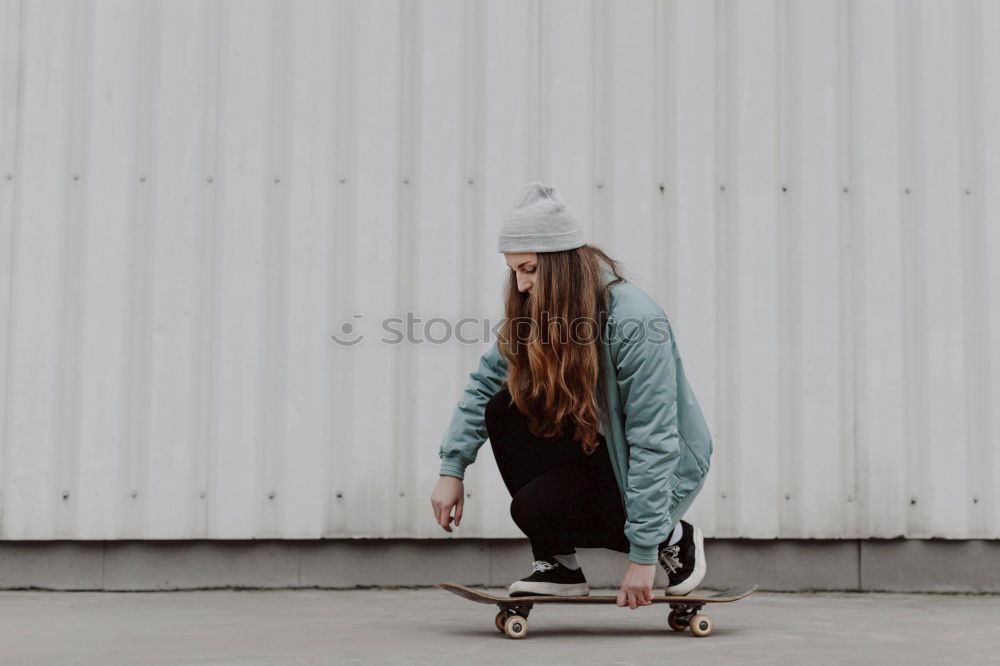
(551, 589)
(700, 565)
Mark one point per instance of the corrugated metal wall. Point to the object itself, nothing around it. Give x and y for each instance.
(195, 195)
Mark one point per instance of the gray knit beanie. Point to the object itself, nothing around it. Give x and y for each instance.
(540, 222)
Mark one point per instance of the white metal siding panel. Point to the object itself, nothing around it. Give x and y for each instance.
(194, 195)
(180, 224)
(11, 34)
(984, 214)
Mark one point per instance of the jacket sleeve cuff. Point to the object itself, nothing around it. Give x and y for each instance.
(642, 554)
(450, 467)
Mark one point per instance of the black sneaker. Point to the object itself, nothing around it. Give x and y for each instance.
(551, 578)
(684, 561)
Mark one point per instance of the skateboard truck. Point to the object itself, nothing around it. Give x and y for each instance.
(683, 616)
(513, 620)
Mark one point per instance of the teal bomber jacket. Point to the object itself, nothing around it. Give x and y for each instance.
(658, 440)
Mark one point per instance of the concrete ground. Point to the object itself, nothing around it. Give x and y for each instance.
(434, 627)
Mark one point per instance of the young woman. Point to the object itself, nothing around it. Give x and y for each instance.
(594, 427)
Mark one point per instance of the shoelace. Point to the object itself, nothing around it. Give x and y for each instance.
(670, 558)
(541, 565)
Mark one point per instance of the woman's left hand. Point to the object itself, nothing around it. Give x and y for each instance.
(637, 585)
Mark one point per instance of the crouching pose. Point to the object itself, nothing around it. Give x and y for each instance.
(595, 429)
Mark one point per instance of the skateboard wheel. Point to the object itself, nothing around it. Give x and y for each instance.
(675, 623)
(701, 625)
(515, 626)
(501, 618)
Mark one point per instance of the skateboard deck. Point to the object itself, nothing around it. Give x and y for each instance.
(513, 616)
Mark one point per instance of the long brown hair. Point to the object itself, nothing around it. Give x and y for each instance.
(551, 339)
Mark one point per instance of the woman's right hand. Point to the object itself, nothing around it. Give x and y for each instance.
(449, 493)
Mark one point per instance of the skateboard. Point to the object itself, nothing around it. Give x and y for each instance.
(684, 611)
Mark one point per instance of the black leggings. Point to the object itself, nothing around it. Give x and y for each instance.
(562, 498)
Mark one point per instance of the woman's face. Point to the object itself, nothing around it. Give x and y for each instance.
(525, 266)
